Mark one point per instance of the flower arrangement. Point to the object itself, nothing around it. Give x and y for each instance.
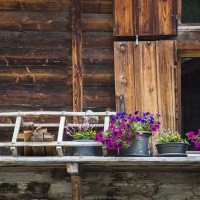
(168, 136)
(85, 131)
(123, 127)
(195, 138)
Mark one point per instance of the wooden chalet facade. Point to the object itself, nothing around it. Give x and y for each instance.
(99, 55)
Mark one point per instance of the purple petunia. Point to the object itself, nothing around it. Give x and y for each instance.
(195, 138)
(123, 127)
(128, 135)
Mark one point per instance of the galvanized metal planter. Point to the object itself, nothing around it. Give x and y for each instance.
(139, 147)
(171, 149)
(84, 150)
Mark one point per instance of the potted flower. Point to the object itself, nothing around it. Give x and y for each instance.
(194, 138)
(129, 133)
(170, 143)
(84, 133)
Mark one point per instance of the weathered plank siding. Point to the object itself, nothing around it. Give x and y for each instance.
(35, 55)
(145, 18)
(100, 183)
(98, 55)
(144, 77)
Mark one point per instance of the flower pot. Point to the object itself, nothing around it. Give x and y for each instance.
(84, 150)
(172, 149)
(139, 147)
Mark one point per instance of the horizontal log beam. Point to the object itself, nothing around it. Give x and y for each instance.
(175, 162)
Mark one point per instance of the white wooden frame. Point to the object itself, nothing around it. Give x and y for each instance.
(59, 143)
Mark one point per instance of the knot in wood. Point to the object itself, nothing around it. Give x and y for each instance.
(122, 47)
(124, 81)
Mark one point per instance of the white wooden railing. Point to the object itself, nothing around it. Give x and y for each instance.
(59, 143)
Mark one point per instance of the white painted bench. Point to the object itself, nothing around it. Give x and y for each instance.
(59, 144)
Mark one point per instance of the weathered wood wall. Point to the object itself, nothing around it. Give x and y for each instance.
(36, 55)
(98, 55)
(98, 183)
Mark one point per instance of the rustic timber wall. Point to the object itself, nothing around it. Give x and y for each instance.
(36, 55)
(141, 184)
(98, 55)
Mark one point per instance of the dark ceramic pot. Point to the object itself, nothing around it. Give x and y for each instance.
(84, 150)
(172, 148)
(139, 147)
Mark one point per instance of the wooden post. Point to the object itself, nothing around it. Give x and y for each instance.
(77, 56)
(76, 187)
(73, 169)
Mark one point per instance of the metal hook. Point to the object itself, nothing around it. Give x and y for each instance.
(136, 42)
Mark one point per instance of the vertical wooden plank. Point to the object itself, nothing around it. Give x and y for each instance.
(150, 99)
(179, 11)
(76, 187)
(74, 170)
(77, 56)
(155, 18)
(138, 76)
(179, 93)
(124, 79)
(167, 17)
(174, 17)
(166, 84)
(144, 17)
(123, 18)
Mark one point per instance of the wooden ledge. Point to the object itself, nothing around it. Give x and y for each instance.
(190, 161)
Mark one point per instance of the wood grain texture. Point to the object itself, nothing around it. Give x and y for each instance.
(76, 187)
(145, 18)
(35, 39)
(167, 17)
(148, 69)
(124, 79)
(97, 22)
(166, 83)
(77, 55)
(123, 18)
(97, 6)
(34, 5)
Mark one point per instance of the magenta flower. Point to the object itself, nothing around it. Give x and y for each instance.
(123, 127)
(128, 135)
(137, 134)
(195, 138)
(190, 134)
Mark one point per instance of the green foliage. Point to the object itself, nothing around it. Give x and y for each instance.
(168, 136)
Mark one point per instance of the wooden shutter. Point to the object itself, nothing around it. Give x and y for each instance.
(144, 78)
(145, 17)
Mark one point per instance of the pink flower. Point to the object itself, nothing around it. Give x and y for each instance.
(128, 135)
(137, 134)
(190, 134)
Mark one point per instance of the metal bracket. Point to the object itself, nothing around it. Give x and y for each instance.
(136, 42)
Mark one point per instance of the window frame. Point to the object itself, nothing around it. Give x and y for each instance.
(185, 48)
(179, 14)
